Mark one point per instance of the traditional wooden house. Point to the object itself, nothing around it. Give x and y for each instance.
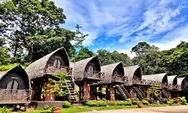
(162, 81)
(134, 87)
(173, 87)
(87, 72)
(113, 75)
(181, 84)
(14, 86)
(41, 70)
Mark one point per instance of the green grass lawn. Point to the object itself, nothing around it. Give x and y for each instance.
(77, 109)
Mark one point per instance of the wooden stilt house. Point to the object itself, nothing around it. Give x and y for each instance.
(181, 88)
(41, 70)
(87, 72)
(14, 86)
(173, 87)
(161, 80)
(134, 87)
(113, 75)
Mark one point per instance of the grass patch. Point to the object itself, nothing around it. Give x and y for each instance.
(78, 109)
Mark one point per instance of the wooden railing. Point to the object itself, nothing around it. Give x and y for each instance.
(95, 75)
(12, 96)
(118, 78)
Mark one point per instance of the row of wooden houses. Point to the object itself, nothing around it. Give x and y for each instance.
(113, 81)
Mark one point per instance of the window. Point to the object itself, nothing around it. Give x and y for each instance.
(12, 86)
(90, 69)
(56, 62)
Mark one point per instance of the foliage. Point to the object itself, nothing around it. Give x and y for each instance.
(183, 101)
(4, 56)
(154, 91)
(145, 102)
(33, 25)
(5, 110)
(83, 53)
(171, 101)
(148, 57)
(66, 104)
(107, 57)
(164, 101)
(95, 103)
(7, 67)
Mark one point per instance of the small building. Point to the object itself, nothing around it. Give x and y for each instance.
(134, 86)
(173, 87)
(41, 70)
(113, 75)
(86, 72)
(14, 86)
(162, 81)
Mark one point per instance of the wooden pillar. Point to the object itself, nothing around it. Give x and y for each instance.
(93, 93)
(132, 92)
(100, 92)
(147, 92)
(110, 92)
(86, 92)
(81, 92)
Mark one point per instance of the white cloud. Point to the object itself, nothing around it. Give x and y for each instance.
(133, 20)
(172, 39)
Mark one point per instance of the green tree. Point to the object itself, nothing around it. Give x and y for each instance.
(27, 18)
(83, 53)
(148, 57)
(107, 57)
(4, 56)
(176, 60)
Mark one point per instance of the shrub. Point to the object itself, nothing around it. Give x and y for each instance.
(46, 107)
(5, 110)
(145, 102)
(177, 100)
(120, 103)
(183, 101)
(134, 102)
(163, 101)
(171, 101)
(91, 103)
(101, 103)
(111, 103)
(66, 104)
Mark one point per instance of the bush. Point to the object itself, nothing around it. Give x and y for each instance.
(46, 107)
(91, 103)
(145, 102)
(66, 104)
(5, 110)
(101, 103)
(112, 103)
(120, 103)
(177, 100)
(171, 101)
(164, 101)
(183, 101)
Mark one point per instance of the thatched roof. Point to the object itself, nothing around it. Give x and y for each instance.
(130, 71)
(172, 79)
(20, 71)
(162, 77)
(180, 80)
(79, 68)
(109, 70)
(37, 69)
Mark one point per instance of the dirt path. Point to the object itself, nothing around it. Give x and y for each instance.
(170, 109)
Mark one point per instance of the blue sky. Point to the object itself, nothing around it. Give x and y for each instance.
(121, 24)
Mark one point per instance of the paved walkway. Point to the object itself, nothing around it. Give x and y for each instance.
(169, 109)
